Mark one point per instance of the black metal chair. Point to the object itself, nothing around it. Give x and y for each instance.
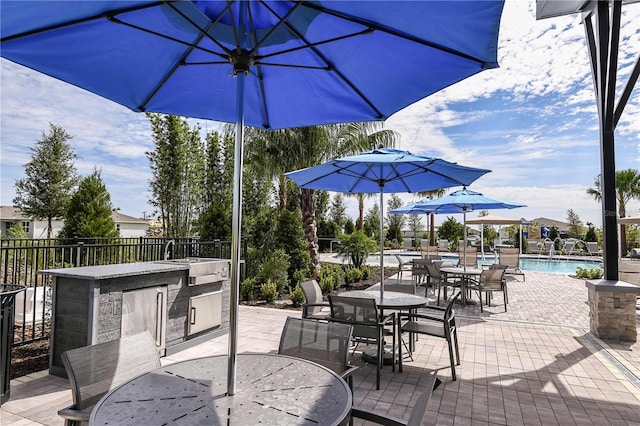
(433, 321)
(417, 413)
(368, 325)
(324, 343)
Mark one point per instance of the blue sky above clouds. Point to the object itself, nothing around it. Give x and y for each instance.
(532, 121)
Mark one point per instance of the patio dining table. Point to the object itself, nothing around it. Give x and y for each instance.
(271, 389)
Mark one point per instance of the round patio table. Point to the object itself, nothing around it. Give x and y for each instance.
(271, 390)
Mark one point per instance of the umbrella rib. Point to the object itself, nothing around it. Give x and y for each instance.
(281, 21)
(319, 43)
(79, 21)
(396, 33)
(260, 77)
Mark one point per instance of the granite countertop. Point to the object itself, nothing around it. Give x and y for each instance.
(102, 272)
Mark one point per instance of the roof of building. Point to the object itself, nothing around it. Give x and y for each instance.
(14, 213)
(551, 222)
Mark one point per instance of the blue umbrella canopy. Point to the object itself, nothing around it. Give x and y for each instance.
(306, 62)
(271, 63)
(463, 201)
(385, 170)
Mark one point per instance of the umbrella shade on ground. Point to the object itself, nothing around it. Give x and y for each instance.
(463, 201)
(492, 219)
(269, 64)
(385, 170)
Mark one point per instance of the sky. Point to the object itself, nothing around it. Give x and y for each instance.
(532, 121)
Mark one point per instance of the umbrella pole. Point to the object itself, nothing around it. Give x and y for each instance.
(482, 240)
(464, 236)
(235, 237)
(381, 244)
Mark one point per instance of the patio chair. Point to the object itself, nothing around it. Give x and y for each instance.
(437, 280)
(97, 369)
(324, 343)
(443, 245)
(471, 257)
(427, 251)
(314, 306)
(490, 281)
(403, 265)
(592, 248)
(420, 274)
(510, 257)
(368, 326)
(432, 321)
(417, 412)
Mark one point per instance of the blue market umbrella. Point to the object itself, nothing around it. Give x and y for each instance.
(385, 170)
(463, 201)
(270, 64)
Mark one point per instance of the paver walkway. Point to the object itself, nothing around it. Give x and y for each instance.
(533, 365)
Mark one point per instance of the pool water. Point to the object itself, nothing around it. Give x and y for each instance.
(552, 266)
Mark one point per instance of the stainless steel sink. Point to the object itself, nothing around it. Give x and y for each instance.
(202, 269)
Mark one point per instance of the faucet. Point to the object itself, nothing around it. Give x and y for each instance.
(166, 248)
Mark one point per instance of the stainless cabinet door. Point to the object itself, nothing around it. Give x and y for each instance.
(205, 312)
(145, 309)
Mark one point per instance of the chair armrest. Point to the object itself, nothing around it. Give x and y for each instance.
(391, 317)
(410, 316)
(376, 418)
(71, 413)
(306, 306)
(349, 371)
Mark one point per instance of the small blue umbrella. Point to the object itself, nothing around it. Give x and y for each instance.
(463, 201)
(270, 63)
(385, 170)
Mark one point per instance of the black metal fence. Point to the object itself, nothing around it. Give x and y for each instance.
(20, 261)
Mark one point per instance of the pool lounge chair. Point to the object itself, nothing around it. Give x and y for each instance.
(592, 247)
(510, 257)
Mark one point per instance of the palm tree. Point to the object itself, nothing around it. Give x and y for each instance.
(361, 198)
(291, 149)
(627, 188)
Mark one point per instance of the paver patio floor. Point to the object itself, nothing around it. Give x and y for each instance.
(533, 365)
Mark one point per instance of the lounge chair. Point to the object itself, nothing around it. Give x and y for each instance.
(443, 245)
(510, 257)
(427, 251)
(592, 248)
(569, 247)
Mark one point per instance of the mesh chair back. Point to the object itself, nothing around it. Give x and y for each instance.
(509, 257)
(312, 294)
(362, 314)
(492, 278)
(95, 370)
(324, 343)
(471, 257)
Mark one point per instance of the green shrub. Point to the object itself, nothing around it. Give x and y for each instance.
(296, 295)
(269, 291)
(352, 275)
(366, 272)
(357, 246)
(300, 275)
(275, 269)
(329, 277)
(589, 273)
(247, 287)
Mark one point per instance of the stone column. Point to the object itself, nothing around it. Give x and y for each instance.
(612, 309)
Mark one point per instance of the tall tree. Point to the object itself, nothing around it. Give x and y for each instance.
(372, 222)
(292, 149)
(576, 228)
(414, 223)
(338, 211)
(50, 178)
(89, 212)
(627, 188)
(177, 167)
(394, 222)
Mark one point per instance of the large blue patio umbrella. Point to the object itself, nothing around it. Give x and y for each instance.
(463, 201)
(270, 64)
(385, 170)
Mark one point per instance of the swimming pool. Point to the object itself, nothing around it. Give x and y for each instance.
(538, 264)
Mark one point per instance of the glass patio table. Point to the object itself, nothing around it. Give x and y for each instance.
(271, 389)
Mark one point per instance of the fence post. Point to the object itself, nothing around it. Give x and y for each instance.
(78, 260)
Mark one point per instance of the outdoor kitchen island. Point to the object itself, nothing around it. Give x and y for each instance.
(182, 302)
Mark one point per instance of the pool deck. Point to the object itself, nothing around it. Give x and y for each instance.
(536, 364)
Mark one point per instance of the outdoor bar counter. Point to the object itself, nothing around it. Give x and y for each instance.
(95, 304)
